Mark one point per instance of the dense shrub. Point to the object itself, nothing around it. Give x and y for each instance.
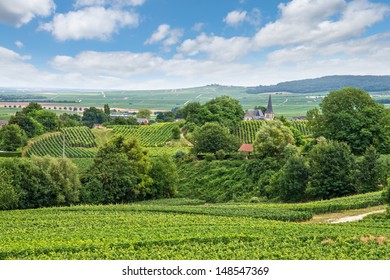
(289, 183)
(332, 171)
(40, 182)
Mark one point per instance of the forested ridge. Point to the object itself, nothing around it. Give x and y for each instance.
(327, 83)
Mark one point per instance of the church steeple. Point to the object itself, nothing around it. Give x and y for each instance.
(269, 113)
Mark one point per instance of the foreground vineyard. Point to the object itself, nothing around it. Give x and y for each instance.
(142, 231)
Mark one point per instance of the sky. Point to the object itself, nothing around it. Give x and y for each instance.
(166, 44)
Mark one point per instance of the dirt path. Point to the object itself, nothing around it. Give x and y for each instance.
(353, 218)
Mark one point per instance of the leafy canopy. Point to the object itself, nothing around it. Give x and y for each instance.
(350, 115)
(272, 140)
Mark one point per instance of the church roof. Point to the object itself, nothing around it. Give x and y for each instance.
(269, 107)
(254, 114)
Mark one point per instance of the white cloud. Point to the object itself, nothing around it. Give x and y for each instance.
(317, 22)
(120, 64)
(19, 44)
(166, 35)
(19, 12)
(198, 26)
(237, 17)
(234, 18)
(84, 3)
(136, 70)
(17, 72)
(216, 47)
(90, 23)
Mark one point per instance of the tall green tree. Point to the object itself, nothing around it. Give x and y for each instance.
(332, 171)
(164, 175)
(224, 110)
(289, 183)
(120, 173)
(31, 108)
(350, 115)
(272, 140)
(48, 119)
(12, 137)
(30, 126)
(212, 137)
(93, 116)
(368, 176)
(144, 113)
(107, 110)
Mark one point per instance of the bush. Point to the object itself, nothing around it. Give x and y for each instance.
(209, 157)
(254, 199)
(289, 184)
(9, 196)
(220, 154)
(386, 193)
(164, 175)
(41, 182)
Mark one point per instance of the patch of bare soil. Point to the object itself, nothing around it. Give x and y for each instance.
(353, 218)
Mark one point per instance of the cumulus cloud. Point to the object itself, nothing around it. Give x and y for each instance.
(198, 26)
(121, 69)
(19, 12)
(166, 35)
(83, 3)
(317, 21)
(237, 17)
(19, 44)
(217, 47)
(17, 71)
(90, 23)
(234, 18)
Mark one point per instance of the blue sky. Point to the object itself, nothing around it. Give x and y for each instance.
(153, 44)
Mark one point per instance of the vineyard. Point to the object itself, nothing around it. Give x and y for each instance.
(302, 127)
(247, 130)
(191, 230)
(155, 135)
(74, 142)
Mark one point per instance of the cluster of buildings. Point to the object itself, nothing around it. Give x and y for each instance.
(257, 114)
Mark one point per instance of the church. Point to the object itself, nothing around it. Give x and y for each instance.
(257, 114)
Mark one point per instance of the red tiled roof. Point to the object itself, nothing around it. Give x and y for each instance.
(246, 148)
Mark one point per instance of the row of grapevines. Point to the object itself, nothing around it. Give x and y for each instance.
(247, 130)
(128, 232)
(155, 135)
(80, 136)
(72, 142)
(302, 127)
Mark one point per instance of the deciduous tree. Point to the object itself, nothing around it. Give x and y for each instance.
(12, 137)
(272, 139)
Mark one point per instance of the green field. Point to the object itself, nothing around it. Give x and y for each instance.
(177, 229)
(286, 104)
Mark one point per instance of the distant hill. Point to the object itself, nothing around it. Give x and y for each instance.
(327, 83)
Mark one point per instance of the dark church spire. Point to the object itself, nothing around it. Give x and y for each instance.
(269, 113)
(269, 107)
